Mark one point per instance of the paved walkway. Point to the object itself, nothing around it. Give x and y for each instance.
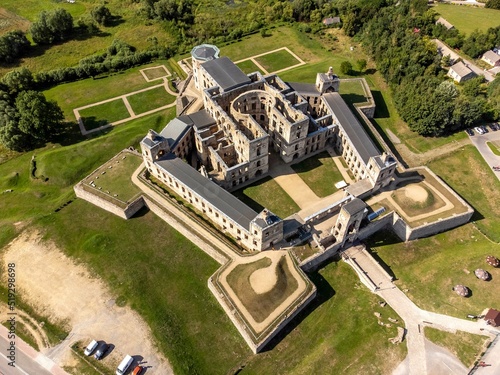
(480, 141)
(415, 318)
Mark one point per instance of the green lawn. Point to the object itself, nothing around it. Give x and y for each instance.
(266, 193)
(352, 92)
(465, 346)
(466, 18)
(155, 73)
(320, 173)
(80, 93)
(462, 170)
(249, 66)
(275, 61)
(103, 114)
(116, 179)
(494, 147)
(150, 99)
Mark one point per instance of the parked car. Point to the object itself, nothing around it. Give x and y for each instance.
(124, 365)
(101, 350)
(137, 370)
(484, 129)
(479, 130)
(90, 347)
(494, 127)
(469, 132)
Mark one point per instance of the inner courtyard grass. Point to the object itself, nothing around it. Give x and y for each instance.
(320, 173)
(103, 114)
(248, 66)
(352, 92)
(266, 193)
(465, 346)
(260, 306)
(466, 19)
(151, 99)
(278, 60)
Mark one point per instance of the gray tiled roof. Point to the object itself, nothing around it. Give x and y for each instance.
(304, 88)
(200, 119)
(208, 190)
(226, 73)
(461, 69)
(205, 52)
(175, 130)
(350, 124)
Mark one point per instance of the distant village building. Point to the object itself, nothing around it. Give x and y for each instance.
(331, 21)
(442, 21)
(491, 58)
(460, 72)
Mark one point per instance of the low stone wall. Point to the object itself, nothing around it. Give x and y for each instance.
(240, 324)
(125, 213)
(314, 261)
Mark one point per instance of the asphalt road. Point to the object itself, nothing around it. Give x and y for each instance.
(25, 365)
(479, 140)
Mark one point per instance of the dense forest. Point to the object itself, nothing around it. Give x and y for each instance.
(395, 33)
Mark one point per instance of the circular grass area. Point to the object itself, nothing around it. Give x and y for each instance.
(261, 305)
(416, 199)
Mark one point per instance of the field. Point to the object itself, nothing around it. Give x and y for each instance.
(126, 26)
(320, 173)
(464, 345)
(248, 66)
(266, 193)
(466, 19)
(103, 114)
(150, 100)
(352, 92)
(80, 93)
(278, 60)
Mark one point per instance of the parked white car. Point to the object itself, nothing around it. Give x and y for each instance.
(90, 347)
(479, 130)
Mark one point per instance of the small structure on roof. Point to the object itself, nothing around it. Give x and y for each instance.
(482, 274)
(331, 21)
(492, 261)
(442, 21)
(461, 290)
(492, 317)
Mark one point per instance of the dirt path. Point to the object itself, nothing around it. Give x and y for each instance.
(67, 292)
(31, 325)
(416, 160)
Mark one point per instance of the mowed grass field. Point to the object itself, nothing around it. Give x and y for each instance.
(278, 60)
(87, 91)
(248, 66)
(266, 193)
(320, 173)
(103, 114)
(466, 19)
(149, 100)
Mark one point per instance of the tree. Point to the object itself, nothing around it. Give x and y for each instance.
(18, 80)
(493, 4)
(346, 67)
(12, 45)
(361, 65)
(52, 26)
(101, 14)
(38, 118)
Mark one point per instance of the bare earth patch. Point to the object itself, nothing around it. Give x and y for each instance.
(66, 292)
(416, 193)
(263, 280)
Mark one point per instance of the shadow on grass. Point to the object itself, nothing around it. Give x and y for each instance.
(353, 98)
(380, 261)
(381, 111)
(310, 164)
(115, 21)
(323, 294)
(93, 123)
(386, 139)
